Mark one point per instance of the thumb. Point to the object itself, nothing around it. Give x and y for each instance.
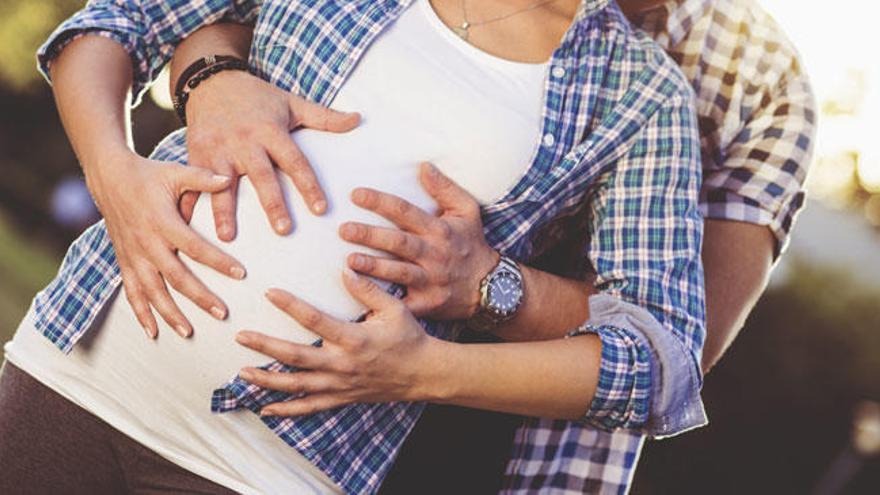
(200, 179)
(315, 116)
(187, 205)
(448, 195)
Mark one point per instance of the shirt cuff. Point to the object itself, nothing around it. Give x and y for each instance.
(648, 380)
(732, 206)
(74, 29)
(624, 390)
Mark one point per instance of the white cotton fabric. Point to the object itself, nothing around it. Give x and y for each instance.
(425, 95)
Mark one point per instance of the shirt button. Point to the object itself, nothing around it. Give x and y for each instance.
(549, 140)
(558, 72)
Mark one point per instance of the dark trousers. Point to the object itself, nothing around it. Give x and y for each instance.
(50, 445)
(454, 450)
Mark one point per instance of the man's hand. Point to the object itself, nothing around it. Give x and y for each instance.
(139, 200)
(440, 259)
(240, 124)
(382, 359)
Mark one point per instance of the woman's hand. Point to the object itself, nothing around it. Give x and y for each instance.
(240, 125)
(385, 358)
(440, 259)
(139, 200)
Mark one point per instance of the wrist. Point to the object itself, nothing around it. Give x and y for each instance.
(486, 262)
(199, 72)
(105, 167)
(435, 380)
(213, 85)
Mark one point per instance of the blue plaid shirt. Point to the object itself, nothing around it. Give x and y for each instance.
(618, 154)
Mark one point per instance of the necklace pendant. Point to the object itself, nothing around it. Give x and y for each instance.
(462, 30)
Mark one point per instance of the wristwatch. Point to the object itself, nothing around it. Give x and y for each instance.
(501, 295)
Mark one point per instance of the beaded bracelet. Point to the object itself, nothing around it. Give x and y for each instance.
(198, 72)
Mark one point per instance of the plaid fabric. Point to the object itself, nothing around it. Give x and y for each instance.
(557, 458)
(619, 147)
(756, 108)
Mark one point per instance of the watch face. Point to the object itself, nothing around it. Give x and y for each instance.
(505, 293)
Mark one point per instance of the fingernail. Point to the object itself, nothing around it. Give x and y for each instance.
(348, 272)
(431, 168)
(218, 312)
(358, 196)
(246, 373)
(319, 206)
(148, 333)
(224, 230)
(282, 225)
(348, 230)
(266, 412)
(182, 330)
(237, 272)
(358, 262)
(221, 178)
(242, 338)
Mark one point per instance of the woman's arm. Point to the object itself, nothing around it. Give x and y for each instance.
(138, 197)
(390, 358)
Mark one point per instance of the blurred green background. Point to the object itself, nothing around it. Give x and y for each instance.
(781, 403)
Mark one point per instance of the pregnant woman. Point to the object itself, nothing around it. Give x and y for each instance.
(547, 115)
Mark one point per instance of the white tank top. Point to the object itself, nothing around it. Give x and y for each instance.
(424, 94)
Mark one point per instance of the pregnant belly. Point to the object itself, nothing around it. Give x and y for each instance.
(308, 262)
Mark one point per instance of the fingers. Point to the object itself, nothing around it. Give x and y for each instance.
(291, 160)
(293, 383)
(157, 294)
(292, 354)
(449, 195)
(181, 278)
(399, 272)
(138, 301)
(223, 205)
(305, 406)
(262, 175)
(200, 179)
(399, 211)
(308, 316)
(392, 241)
(367, 293)
(199, 249)
(319, 117)
(188, 204)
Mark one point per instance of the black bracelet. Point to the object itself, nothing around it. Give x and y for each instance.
(199, 71)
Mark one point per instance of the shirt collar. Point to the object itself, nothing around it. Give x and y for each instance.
(590, 7)
(670, 22)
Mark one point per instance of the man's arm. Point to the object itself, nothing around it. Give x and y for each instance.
(148, 30)
(737, 257)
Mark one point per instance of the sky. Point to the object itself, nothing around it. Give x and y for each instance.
(838, 42)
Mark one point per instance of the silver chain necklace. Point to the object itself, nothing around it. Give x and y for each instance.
(462, 29)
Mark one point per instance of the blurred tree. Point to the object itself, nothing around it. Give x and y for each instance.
(24, 26)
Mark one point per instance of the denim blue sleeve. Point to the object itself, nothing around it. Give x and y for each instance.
(149, 30)
(645, 248)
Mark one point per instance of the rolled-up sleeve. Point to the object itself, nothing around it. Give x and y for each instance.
(649, 313)
(148, 30)
(759, 177)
